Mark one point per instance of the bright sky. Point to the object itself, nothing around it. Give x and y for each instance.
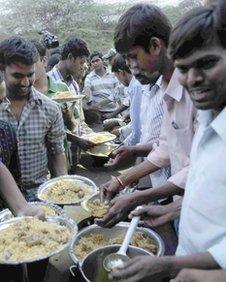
(158, 2)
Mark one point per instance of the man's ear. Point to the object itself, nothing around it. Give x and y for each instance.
(155, 45)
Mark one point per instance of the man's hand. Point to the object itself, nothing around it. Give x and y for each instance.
(195, 275)
(142, 267)
(120, 156)
(110, 189)
(119, 209)
(30, 210)
(156, 215)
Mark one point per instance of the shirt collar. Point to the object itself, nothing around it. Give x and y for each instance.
(219, 124)
(174, 89)
(34, 96)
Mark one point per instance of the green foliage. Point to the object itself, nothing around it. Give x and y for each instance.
(86, 19)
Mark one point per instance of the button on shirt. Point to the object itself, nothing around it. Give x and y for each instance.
(203, 224)
(102, 87)
(178, 128)
(39, 130)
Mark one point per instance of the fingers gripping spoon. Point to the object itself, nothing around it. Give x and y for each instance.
(115, 260)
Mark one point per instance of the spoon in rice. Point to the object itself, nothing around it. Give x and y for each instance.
(116, 260)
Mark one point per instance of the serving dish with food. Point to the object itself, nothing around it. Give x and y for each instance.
(49, 209)
(99, 137)
(102, 150)
(94, 206)
(28, 239)
(66, 190)
(93, 237)
(66, 96)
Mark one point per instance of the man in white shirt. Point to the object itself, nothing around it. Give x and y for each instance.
(198, 48)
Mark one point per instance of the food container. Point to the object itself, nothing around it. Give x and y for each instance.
(92, 268)
(6, 213)
(99, 137)
(117, 230)
(82, 181)
(61, 221)
(102, 150)
(85, 204)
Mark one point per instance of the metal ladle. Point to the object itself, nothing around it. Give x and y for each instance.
(115, 260)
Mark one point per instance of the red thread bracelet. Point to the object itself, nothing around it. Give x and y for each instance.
(120, 182)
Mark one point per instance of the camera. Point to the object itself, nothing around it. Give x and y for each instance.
(49, 40)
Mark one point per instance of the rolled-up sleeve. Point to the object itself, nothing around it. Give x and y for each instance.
(56, 134)
(180, 178)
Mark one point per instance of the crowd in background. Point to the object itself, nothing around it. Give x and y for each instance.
(161, 91)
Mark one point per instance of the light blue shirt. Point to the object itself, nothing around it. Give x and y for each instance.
(203, 216)
(135, 93)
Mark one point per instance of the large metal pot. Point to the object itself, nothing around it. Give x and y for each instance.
(92, 266)
(110, 233)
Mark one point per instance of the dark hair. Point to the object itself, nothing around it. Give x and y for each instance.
(96, 53)
(138, 25)
(40, 47)
(119, 63)
(18, 49)
(76, 47)
(199, 28)
(1, 77)
(55, 51)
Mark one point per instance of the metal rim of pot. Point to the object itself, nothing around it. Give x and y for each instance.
(79, 266)
(89, 229)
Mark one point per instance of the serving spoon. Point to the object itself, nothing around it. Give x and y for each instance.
(115, 260)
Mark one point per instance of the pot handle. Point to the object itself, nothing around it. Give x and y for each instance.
(72, 268)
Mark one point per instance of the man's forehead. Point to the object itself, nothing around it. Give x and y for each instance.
(199, 54)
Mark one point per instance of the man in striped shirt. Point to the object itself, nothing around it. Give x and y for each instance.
(101, 86)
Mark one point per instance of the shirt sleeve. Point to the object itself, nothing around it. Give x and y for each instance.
(218, 252)
(56, 134)
(159, 155)
(180, 178)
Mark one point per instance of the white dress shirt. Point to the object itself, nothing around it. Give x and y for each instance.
(203, 217)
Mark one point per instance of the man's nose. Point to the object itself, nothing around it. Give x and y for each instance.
(194, 77)
(25, 81)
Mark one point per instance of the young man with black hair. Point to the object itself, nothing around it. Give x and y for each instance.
(142, 36)
(36, 119)
(100, 86)
(198, 48)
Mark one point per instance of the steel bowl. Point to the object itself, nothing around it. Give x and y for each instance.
(77, 178)
(117, 230)
(92, 268)
(61, 221)
(6, 214)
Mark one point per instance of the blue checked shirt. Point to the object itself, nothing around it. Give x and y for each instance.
(39, 131)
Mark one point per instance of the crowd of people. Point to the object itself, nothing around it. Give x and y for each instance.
(161, 90)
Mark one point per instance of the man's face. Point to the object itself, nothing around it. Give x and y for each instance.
(203, 74)
(19, 79)
(77, 65)
(96, 63)
(142, 64)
